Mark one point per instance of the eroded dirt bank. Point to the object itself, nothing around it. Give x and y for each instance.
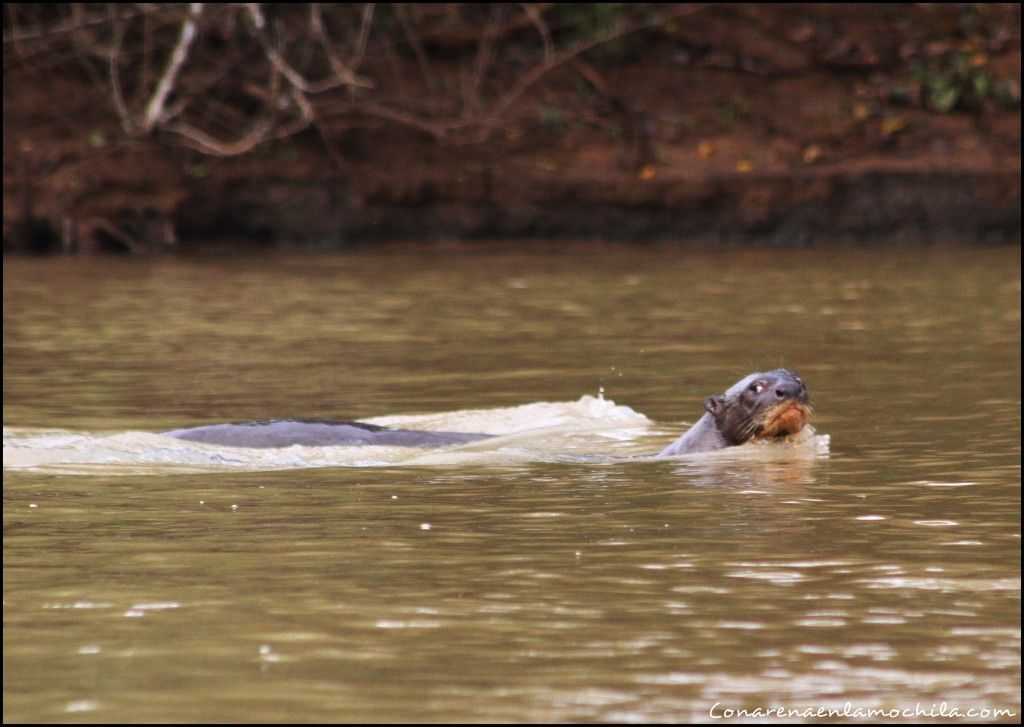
(816, 129)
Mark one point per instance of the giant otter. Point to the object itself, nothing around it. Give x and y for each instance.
(760, 406)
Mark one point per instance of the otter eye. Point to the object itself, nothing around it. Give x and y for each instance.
(757, 388)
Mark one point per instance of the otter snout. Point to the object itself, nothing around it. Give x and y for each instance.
(791, 390)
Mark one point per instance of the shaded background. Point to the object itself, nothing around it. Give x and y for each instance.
(149, 127)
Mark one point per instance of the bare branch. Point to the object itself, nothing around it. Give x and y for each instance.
(483, 58)
(364, 34)
(77, 22)
(316, 24)
(417, 47)
(208, 144)
(539, 71)
(438, 131)
(113, 60)
(260, 132)
(249, 84)
(342, 75)
(155, 108)
(537, 18)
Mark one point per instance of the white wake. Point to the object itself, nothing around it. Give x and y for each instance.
(590, 430)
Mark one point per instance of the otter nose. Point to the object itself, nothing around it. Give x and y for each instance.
(788, 390)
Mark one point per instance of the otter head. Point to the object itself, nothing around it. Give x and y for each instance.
(761, 406)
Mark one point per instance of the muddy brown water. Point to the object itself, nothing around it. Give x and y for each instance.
(542, 582)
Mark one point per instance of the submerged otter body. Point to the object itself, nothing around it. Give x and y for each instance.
(767, 405)
(761, 406)
(319, 434)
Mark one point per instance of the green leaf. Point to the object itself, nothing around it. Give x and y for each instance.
(980, 85)
(944, 96)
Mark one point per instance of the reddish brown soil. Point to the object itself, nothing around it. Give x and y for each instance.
(806, 153)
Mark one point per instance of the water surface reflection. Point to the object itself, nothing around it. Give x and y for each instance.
(886, 574)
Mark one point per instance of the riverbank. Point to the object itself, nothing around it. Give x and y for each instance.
(782, 142)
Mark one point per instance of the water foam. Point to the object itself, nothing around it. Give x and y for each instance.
(588, 430)
(518, 431)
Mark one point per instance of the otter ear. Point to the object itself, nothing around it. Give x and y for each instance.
(714, 404)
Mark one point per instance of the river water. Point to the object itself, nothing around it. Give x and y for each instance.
(555, 573)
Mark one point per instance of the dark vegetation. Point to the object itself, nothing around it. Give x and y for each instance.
(145, 127)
